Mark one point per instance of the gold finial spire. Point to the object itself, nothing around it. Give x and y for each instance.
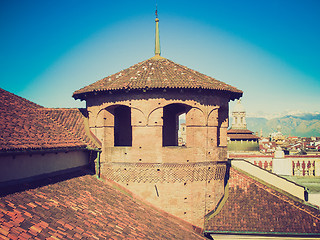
(157, 46)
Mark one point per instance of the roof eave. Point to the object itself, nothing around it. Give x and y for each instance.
(43, 150)
(233, 95)
(236, 95)
(266, 234)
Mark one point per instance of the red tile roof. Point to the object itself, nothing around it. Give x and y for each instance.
(238, 134)
(26, 126)
(11, 100)
(238, 131)
(157, 73)
(253, 207)
(75, 121)
(243, 136)
(83, 208)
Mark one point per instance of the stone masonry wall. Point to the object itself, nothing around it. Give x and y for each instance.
(185, 181)
(188, 191)
(206, 123)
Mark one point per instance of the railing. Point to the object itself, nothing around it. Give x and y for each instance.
(299, 167)
(303, 168)
(265, 164)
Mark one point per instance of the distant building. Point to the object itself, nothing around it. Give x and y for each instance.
(239, 137)
(182, 134)
(278, 137)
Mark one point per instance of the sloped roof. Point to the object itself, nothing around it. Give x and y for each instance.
(241, 134)
(73, 119)
(10, 100)
(157, 73)
(26, 126)
(83, 208)
(239, 131)
(253, 207)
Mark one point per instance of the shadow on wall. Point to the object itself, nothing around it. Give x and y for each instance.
(43, 180)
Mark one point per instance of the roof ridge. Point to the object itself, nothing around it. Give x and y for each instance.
(32, 104)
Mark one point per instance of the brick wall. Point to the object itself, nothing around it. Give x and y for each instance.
(185, 181)
(188, 191)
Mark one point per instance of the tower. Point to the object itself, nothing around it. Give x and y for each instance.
(241, 139)
(239, 116)
(135, 114)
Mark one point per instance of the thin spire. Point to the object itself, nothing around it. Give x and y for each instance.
(157, 43)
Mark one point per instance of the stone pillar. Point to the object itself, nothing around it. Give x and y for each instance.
(317, 167)
(196, 128)
(281, 165)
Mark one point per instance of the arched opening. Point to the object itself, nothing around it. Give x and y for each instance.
(122, 126)
(173, 115)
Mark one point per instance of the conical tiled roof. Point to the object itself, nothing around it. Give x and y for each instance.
(157, 73)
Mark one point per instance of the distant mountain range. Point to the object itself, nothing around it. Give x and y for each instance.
(300, 125)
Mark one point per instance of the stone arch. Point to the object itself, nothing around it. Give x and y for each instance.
(195, 117)
(213, 117)
(105, 117)
(97, 124)
(114, 122)
(170, 126)
(155, 117)
(212, 132)
(91, 119)
(138, 117)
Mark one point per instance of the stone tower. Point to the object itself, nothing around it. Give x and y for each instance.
(239, 116)
(240, 139)
(135, 114)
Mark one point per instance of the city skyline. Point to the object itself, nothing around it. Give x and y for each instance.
(268, 49)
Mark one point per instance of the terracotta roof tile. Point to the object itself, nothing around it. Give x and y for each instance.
(157, 73)
(73, 119)
(241, 134)
(255, 207)
(238, 131)
(26, 126)
(83, 207)
(12, 100)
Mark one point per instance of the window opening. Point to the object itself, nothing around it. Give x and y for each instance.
(122, 126)
(173, 124)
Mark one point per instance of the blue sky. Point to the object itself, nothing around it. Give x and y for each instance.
(269, 49)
